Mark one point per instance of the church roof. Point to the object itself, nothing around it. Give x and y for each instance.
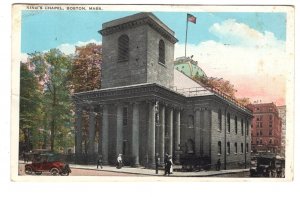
(189, 67)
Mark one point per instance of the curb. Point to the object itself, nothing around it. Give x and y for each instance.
(174, 175)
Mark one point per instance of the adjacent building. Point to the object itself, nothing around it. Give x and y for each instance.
(145, 106)
(282, 115)
(265, 128)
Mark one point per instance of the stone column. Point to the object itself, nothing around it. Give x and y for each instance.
(119, 141)
(177, 135)
(91, 147)
(197, 132)
(135, 134)
(170, 131)
(78, 120)
(162, 133)
(105, 134)
(202, 120)
(151, 135)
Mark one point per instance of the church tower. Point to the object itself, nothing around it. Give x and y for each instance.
(137, 49)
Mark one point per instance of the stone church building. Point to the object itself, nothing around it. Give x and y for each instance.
(145, 106)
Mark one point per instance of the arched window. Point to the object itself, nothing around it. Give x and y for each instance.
(242, 126)
(220, 119)
(228, 148)
(161, 50)
(219, 147)
(228, 122)
(191, 121)
(123, 48)
(235, 124)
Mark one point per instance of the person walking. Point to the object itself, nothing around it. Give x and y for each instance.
(157, 161)
(166, 163)
(99, 161)
(171, 165)
(119, 161)
(218, 165)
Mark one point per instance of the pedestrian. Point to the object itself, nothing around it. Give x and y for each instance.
(171, 165)
(218, 165)
(166, 163)
(119, 161)
(99, 161)
(168, 166)
(157, 161)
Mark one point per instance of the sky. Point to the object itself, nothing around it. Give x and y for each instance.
(246, 48)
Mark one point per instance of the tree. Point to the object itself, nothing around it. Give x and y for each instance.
(86, 70)
(30, 108)
(223, 86)
(53, 71)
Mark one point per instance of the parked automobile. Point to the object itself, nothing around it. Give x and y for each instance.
(267, 165)
(47, 162)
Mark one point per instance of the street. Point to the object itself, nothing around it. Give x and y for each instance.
(80, 172)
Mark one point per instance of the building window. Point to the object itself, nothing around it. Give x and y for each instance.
(257, 133)
(235, 148)
(228, 122)
(247, 148)
(270, 117)
(235, 124)
(125, 116)
(228, 148)
(270, 132)
(191, 121)
(247, 127)
(242, 126)
(260, 124)
(220, 119)
(261, 133)
(123, 48)
(219, 147)
(260, 141)
(270, 141)
(161, 56)
(242, 148)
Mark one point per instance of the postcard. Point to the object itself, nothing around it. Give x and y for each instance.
(152, 92)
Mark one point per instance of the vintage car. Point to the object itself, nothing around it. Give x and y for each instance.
(267, 165)
(47, 162)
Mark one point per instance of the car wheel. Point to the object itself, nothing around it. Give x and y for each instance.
(54, 172)
(38, 173)
(28, 170)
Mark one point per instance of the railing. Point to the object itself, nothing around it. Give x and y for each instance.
(201, 91)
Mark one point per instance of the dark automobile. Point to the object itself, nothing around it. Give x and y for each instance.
(47, 162)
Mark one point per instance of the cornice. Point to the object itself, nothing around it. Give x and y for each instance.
(132, 24)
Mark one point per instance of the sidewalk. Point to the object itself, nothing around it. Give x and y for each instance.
(151, 172)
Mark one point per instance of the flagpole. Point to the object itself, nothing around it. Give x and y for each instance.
(187, 24)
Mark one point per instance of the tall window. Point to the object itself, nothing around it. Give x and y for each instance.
(235, 148)
(242, 148)
(228, 147)
(247, 127)
(191, 121)
(235, 124)
(220, 119)
(123, 48)
(161, 56)
(242, 126)
(247, 148)
(125, 116)
(228, 122)
(219, 147)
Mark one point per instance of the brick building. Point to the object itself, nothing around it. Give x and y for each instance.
(145, 106)
(265, 128)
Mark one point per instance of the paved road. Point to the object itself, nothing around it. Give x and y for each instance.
(81, 172)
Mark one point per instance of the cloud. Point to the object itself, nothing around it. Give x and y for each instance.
(234, 33)
(69, 49)
(257, 64)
